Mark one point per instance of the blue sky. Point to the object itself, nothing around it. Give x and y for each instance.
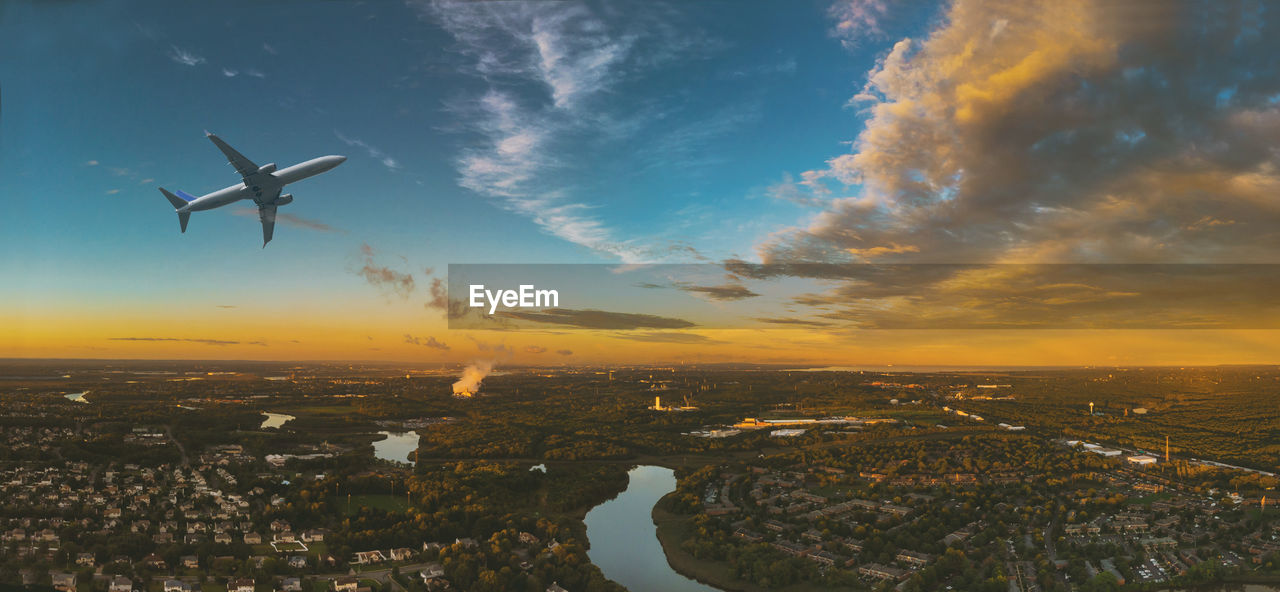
(687, 131)
(572, 132)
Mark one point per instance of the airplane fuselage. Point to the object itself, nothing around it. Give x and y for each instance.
(263, 187)
(262, 184)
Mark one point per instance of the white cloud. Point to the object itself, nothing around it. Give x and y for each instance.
(1050, 131)
(229, 73)
(91, 163)
(856, 20)
(254, 73)
(185, 57)
(551, 69)
(574, 59)
(374, 153)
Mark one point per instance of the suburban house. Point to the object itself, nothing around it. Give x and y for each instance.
(431, 571)
(63, 582)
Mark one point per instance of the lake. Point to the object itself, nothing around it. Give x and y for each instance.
(396, 446)
(624, 540)
(274, 420)
(78, 397)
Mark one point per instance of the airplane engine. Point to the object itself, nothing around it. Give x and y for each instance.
(267, 168)
(283, 199)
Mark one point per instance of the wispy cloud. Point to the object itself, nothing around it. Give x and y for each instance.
(548, 68)
(189, 340)
(857, 20)
(668, 337)
(496, 348)
(597, 319)
(269, 49)
(387, 280)
(374, 153)
(184, 57)
(439, 295)
(786, 66)
(229, 73)
(688, 146)
(721, 292)
(791, 321)
(426, 342)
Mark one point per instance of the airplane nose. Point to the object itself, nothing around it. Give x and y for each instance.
(341, 159)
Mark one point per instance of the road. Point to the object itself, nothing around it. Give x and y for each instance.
(168, 431)
(381, 575)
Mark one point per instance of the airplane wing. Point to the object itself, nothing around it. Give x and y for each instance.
(267, 214)
(243, 165)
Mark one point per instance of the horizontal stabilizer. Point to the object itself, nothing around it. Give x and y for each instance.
(178, 203)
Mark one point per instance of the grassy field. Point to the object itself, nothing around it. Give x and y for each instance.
(1154, 497)
(342, 409)
(377, 501)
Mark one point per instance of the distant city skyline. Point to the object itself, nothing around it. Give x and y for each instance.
(855, 131)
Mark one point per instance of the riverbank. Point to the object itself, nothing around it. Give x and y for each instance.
(1227, 587)
(674, 528)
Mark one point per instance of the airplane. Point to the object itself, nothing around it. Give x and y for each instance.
(262, 184)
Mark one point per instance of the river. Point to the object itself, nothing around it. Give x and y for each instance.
(624, 540)
(396, 447)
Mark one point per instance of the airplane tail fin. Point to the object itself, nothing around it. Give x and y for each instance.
(178, 203)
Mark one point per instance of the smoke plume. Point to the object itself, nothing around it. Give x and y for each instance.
(469, 384)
